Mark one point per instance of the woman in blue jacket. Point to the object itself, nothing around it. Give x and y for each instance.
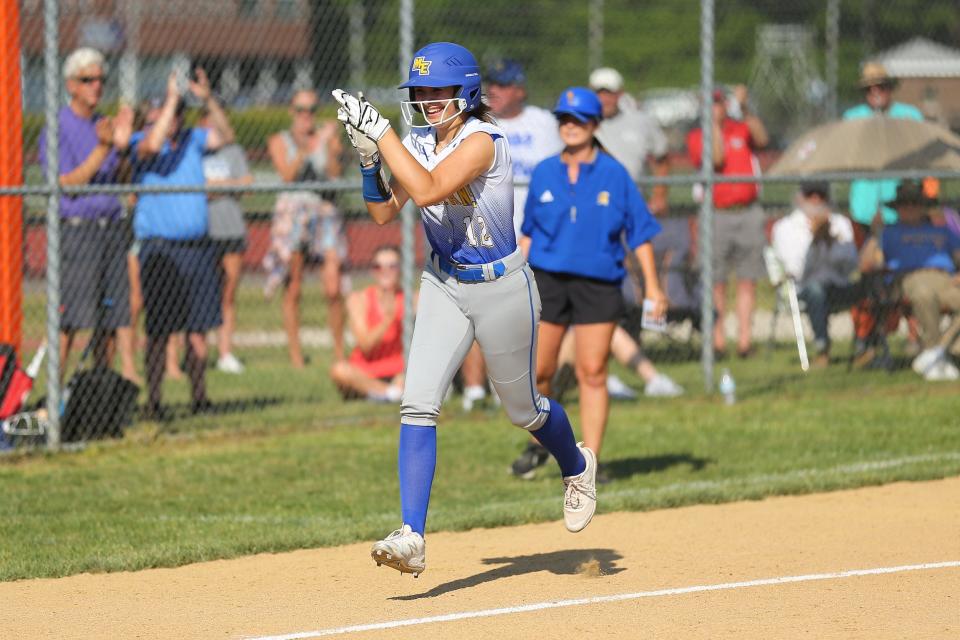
(582, 207)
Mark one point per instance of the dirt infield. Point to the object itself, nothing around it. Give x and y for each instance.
(697, 572)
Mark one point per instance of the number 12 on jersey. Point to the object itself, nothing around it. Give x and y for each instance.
(472, 236)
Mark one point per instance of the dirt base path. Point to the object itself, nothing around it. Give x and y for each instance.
(648, 574)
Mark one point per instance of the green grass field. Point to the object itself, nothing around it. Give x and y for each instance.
(285, 464)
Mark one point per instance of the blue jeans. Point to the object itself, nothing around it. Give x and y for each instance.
(822, 300)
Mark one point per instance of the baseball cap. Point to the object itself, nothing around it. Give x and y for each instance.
(506, 72)
(910, 192)
(606, 78)
(581, 103)
(719, 95)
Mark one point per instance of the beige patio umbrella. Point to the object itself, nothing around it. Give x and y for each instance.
(871, 144)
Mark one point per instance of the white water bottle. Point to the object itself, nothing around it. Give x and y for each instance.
(728, 387)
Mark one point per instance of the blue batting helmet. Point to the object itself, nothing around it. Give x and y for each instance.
(579, 102)
(445, 64)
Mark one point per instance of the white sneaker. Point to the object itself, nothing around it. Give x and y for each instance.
(230, 364)
(403, 550)
(941, 371)
(580, 495)
(662, 386)
(927, 358)
(618, 389)
(473, 395)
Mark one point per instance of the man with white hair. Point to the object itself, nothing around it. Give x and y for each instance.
(95, 290)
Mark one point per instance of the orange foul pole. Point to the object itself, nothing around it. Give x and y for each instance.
(11, 174)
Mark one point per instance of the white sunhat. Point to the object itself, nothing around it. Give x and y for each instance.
(606, 78)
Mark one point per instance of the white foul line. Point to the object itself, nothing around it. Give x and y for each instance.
(557, 604)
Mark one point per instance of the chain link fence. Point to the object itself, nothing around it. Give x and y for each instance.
(220, 282)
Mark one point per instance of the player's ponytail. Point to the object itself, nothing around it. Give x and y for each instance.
(482, 112)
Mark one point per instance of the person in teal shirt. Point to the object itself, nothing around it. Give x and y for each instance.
(869, 196)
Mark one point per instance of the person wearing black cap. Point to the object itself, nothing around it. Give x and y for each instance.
(817, 251)
(531, 131)
(926, 258)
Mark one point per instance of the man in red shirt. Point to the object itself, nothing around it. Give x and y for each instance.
(738, 232)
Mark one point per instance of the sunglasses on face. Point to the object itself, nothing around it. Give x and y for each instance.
(306, 109)
(90, 79)
(568, 119)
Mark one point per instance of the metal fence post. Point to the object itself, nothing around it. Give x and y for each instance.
(706, 208)
(833, 38)
(52, 90)
(358, 37)
(408, 248)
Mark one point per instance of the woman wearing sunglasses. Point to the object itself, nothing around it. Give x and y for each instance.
(305, 225)
(582, 207)
(375, 368)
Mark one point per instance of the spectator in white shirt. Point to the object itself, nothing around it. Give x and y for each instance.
(531, 131)
(532, 134)
(817, 250)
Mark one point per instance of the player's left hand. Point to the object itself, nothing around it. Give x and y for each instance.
(366, 148)
(361, 115)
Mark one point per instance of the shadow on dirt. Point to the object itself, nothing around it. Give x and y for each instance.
(625, 467)
(587, 562)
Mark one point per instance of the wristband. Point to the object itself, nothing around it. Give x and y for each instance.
(375, 186)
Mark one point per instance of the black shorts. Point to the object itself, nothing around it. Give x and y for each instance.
(568, 299)
(225, 246)
(181, 286)
(94, 280)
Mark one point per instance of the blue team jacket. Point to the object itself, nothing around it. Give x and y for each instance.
(577, 228)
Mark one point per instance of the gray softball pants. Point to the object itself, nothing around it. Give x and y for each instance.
(502, 315)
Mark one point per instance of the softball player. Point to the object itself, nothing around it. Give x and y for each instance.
(455, 165)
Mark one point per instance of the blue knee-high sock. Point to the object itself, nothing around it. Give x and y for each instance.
(556, 435)
(416, 461)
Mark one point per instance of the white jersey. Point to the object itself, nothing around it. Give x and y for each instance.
(533, 137)
(475, 224)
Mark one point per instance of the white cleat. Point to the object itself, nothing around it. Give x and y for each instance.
(580, 496)
(925, 361)
(403, 550)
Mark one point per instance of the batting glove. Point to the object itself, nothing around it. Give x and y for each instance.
(365, 147)
(361, 115)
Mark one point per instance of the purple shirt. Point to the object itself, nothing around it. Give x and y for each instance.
(78, 137)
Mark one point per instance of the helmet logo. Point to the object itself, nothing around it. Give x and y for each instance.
(421, 65)
(570, 96)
